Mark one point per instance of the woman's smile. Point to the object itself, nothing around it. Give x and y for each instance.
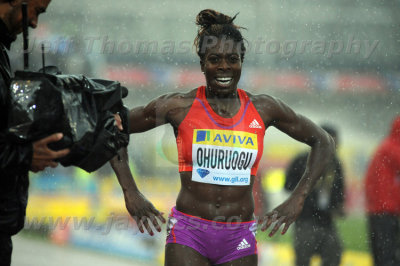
(224, 81)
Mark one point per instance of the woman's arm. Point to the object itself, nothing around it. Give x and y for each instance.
(143, 118)
(154, 114)
(276, 113)
(137, 205)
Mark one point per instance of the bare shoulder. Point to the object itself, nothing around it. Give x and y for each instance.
(168, 108)
(262, 100)
(177, 99)
(275, 112)
(166, 102)
(175, 106)
(270, 108)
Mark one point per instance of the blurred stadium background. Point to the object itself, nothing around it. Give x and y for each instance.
(333, 61)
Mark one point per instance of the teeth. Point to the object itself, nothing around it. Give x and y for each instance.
(224, 79)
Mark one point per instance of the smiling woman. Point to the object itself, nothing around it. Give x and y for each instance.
(221, 49)
(219, 131)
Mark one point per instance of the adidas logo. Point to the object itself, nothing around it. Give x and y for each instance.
(244, 244)
(254, 124)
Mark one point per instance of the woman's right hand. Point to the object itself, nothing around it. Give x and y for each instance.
(142, 210)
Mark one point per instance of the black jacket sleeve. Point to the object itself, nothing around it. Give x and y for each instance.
(14, 158)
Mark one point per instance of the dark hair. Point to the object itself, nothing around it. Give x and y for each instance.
(215, 24)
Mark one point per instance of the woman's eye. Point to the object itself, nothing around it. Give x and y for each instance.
(214, 59)
(233, 59)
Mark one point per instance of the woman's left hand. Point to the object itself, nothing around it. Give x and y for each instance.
(286, 213)
(118, 122)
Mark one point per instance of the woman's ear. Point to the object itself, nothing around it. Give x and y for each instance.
(202, 66)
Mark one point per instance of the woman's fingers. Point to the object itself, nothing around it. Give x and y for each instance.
(147, 225)
(155, 223)
(287, 225)
(277, 225)
(118, 122)
(269, 219)
(143, 223)
(274, 217)
(139, 223)
(159, 215)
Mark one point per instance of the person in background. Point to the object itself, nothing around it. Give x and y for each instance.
(315, 231)
(382, 188)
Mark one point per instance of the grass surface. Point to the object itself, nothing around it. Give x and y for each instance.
(354, 233)
(352, 230)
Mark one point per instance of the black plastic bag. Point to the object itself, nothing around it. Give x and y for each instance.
(82, 109)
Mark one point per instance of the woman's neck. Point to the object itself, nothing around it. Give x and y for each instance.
(225, 105)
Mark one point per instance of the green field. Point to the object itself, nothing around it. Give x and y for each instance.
(353, 231)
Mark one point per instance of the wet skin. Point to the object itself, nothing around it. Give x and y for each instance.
(222, 68)
(208, 201)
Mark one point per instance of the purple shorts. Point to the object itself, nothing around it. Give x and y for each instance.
(220, 242)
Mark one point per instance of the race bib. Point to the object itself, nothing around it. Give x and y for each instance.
(223, 157)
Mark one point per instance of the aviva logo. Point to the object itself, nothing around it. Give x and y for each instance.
(229, 138)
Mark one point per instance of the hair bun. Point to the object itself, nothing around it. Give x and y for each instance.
(208, 17)
(216, 24)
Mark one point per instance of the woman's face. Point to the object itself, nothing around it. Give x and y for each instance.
(222, 67)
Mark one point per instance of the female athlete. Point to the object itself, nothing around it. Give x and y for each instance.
(219, 131)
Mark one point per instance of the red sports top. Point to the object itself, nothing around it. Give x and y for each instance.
(220, 150)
